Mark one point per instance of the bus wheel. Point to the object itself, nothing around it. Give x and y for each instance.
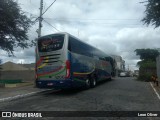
(93, 82)
(88, 83)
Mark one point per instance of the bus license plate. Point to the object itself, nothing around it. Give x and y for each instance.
(50, 84)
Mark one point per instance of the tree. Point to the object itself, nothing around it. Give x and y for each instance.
(152, 13)
(0, 67)
(0, 64)
(147, 65)
(147, 54)
(14, 26)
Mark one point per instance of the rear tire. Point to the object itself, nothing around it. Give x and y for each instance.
(88, 83)
(93, 82)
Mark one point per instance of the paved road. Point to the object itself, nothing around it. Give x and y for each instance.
(121, 94)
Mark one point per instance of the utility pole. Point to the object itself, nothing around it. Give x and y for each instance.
(40, 18)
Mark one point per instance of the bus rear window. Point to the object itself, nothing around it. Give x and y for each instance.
(50, 43)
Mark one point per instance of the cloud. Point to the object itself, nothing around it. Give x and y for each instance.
(130, 39)
(113, 26)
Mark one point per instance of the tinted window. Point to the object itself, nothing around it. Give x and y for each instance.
(79, 47)
(50, 43)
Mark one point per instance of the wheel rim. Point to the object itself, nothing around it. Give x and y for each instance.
(88, 82)
(94, 82)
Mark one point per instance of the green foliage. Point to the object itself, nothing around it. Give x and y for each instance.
(147, 54)
(152, 13)
(0, 64)
(14, 26)
(0, 67)
(145, 77)
(147, 65)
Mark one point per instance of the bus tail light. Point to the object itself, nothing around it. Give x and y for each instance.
(68, 67)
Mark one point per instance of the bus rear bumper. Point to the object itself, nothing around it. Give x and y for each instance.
(57, 84)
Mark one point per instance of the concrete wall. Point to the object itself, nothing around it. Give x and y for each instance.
(25, 75)
(10, 66)
(158, 67)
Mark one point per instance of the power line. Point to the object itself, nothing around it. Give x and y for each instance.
(91, 20)
(132, 22)
(52, 26)
(96, 19)
(102, 23)
(48, 7)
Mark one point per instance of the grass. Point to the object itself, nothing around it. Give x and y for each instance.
(10, 81)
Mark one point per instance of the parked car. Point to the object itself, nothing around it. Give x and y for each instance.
(123, 74)
(136, 74)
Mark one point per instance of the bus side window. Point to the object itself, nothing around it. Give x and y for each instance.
(96, 58)
(73, 45)
(79, 47)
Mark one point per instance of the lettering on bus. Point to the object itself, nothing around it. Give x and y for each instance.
(50, 43)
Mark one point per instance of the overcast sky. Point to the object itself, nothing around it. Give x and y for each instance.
(113, 26)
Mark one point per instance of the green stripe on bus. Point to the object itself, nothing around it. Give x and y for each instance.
(53, 74)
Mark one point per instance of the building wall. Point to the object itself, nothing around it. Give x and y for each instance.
(25, 75)
(10, 66)
(120, 64)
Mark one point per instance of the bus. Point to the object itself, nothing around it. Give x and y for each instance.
(64, 61)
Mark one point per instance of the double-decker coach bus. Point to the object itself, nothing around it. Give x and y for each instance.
(63, 61)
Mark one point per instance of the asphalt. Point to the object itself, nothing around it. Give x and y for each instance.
(7, 94)
(121, 94)
(156, 89)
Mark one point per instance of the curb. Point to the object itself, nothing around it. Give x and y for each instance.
(22, 95)
(155, 90)
(17, 85)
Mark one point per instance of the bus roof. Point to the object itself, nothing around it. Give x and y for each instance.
(65, 33)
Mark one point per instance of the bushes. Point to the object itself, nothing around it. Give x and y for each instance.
(146, 70)
(145, 77)
(0, 67)
(147, 65)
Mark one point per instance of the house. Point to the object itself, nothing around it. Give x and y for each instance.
(119, 64)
